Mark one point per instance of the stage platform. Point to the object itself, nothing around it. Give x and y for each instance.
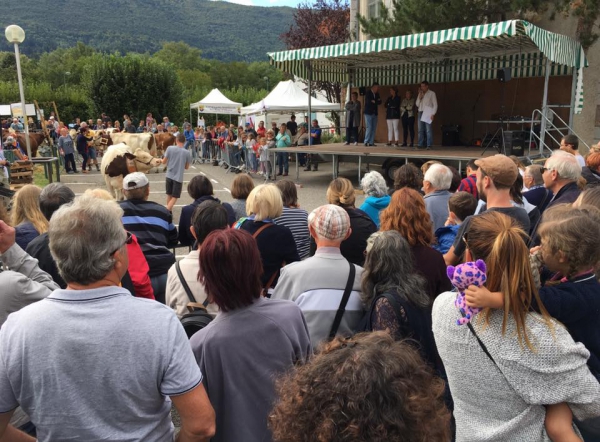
(389, 157)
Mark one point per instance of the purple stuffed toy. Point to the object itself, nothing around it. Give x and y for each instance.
(461, 277)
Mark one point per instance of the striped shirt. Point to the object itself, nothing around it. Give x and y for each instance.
(152, 224)
(296, 220)
(469, 184)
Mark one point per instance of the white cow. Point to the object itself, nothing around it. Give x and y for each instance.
(120, 160)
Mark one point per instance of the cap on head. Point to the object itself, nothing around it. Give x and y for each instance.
(501, 169)
(52, 118)
(135, 180)
(330, 222)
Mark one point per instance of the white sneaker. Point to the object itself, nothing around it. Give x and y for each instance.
(355, 143)
(346, 144)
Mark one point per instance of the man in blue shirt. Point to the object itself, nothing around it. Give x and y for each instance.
(315, 139)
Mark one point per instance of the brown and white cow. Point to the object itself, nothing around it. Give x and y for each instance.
(120, 160)
(163, 141)
(135, 141)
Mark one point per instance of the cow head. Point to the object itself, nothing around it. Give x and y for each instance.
(144, 161)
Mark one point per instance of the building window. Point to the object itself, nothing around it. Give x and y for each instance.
(373, 8)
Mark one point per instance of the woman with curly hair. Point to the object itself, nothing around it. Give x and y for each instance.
(408, 175)
(365, 388)
(396, 295)
(27, 217)
(407, 215)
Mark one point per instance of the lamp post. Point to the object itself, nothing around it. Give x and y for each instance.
(16, 35)
(65, 79)
(267, 80)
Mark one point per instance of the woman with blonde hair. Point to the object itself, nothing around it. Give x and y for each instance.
(407, 214)
(26, 216)
(341, 193)
(275, 242)
(510, 362)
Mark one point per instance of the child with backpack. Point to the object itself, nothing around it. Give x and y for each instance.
(460, 206)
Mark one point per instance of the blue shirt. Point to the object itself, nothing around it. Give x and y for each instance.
(189, 135)
(315, 131)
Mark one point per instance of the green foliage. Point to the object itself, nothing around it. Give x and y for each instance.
(135, 85)
(221, 30)
(413, 16)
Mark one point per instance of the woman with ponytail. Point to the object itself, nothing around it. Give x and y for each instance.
(341, 193)
(512, 361)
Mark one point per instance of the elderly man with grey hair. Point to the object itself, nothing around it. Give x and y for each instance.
(536, 193)
(560, 175)
(325, 286)
(436, 182)
(93, 362)
(376, 189)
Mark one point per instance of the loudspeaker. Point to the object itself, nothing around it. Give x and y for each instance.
(362, 90)
(503, 75)
(514, 141)
(450, 135)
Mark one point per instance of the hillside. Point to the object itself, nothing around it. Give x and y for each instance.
(223, 31)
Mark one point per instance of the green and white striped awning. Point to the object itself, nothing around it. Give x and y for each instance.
(460, 54)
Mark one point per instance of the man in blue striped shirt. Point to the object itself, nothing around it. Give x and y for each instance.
(152, 224)
(469, 184)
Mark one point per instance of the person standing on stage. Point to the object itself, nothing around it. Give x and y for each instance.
(407, 114)
(427, 103)
(372, 101)
(353, 118)
(392, 115)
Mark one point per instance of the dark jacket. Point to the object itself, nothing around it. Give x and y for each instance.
(185, 220)
(576, 304)
(353, 116)
(392, 108)
(591, 176)
(372, 101)
(39, 249)
(430, 264)
(538, 196)
(276, 246)
(25, 233)
(566, 195)
(353, 249)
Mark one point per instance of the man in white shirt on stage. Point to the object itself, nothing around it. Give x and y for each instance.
(428, 106)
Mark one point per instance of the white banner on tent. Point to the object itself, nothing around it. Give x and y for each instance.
(17, 111)
(218, 110)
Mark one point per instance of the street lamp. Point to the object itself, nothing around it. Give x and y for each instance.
(267, 80)
(65, 79)
(16, 35)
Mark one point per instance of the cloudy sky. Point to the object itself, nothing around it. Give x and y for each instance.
(292, 3)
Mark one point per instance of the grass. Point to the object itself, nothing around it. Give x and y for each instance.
(39, 179)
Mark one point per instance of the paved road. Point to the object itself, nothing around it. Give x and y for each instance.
(311, 191)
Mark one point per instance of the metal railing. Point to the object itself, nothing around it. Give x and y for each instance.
(549, 127)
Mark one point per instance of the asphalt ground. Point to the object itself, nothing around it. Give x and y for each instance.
(312, 186)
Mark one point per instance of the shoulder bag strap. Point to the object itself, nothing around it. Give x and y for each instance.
(344, 301)
(186, 287)
(258, 232)
(481, 344)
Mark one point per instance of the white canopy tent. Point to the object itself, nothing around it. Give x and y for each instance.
(217, 103)
(288, 97)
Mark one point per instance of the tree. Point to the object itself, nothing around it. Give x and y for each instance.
(325, 22)
(413, 16)
(133, 85)
(181, 56)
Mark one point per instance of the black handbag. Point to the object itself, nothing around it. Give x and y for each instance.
(198, 317)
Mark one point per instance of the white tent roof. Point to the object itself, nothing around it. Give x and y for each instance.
(216, 103)
(288, 97)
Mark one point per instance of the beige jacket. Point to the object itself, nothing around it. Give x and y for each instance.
(175, 296)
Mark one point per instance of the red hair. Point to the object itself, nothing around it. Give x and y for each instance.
(407, 215)
(230, 268)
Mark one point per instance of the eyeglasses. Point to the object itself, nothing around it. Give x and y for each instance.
(544, 169)
(128, 241)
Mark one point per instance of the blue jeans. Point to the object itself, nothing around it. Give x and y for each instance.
(283, 162)
(159, 285)
(371, 121)
(189, 144)
(252, 163)
(425, 133)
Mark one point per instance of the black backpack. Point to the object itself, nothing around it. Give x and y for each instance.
(198, 317)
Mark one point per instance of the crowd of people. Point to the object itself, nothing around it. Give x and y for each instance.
(336, 325)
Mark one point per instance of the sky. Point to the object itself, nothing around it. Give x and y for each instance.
(291, 3)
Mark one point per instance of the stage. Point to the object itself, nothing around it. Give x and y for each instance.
(388, 157)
